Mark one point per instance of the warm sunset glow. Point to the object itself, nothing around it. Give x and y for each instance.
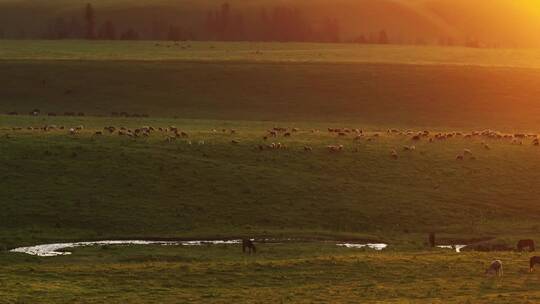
(270, 151)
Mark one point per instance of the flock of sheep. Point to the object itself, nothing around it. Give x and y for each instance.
(270, 138)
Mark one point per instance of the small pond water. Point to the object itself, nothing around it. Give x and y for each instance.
(58, 249)
(454, 247)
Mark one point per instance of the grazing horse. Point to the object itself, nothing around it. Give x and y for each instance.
(495, 268)
(522, 244)
(533, 261)
(248, 245)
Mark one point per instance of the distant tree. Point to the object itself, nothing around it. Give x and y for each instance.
(107, 31)
(174, 34)
(265, 27)
(75, 29)
(472, 43)
(129, 34)
(331, 31)
(360, 39)
(237, 28)
(90, 18)
(224, 22)
(158, 30)
(383, 37)
(60, 29)
(22, 34)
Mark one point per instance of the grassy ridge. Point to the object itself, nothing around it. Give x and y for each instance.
(61, 187)
(282, 273)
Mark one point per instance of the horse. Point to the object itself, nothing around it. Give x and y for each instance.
(431, 240)
(522, 244)
(248, 245)
(496, 268)
(533, 261)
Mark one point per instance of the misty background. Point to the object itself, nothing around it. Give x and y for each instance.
(493, 23)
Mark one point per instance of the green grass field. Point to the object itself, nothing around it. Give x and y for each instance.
(56, 187)
(281, 273)
(363, 85)
(265, 52)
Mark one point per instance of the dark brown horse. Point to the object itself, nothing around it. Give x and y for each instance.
(533, 261)
(249, 246)
(522, 244)
(431, 240)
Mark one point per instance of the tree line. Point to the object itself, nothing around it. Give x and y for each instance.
(223, 23)
(280, 23)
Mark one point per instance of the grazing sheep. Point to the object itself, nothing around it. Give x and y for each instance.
(72, 131)
(533, 261)
(416, 137)
(495, 268)
(407, 148)
(288, 134)
(333, 149)
(536, 142)
(98, 133)
(394, 154)
(342, 134)
(235, 142)
(459, 157)
(308, 149)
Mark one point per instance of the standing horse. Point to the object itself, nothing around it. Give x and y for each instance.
(522, 244)
(248, 245)
(495, 268)
(431, 240)
(533, 261)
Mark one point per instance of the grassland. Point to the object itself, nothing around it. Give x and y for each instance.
(281, 273)
(56, 187)
(265, 52)
(363, 85)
